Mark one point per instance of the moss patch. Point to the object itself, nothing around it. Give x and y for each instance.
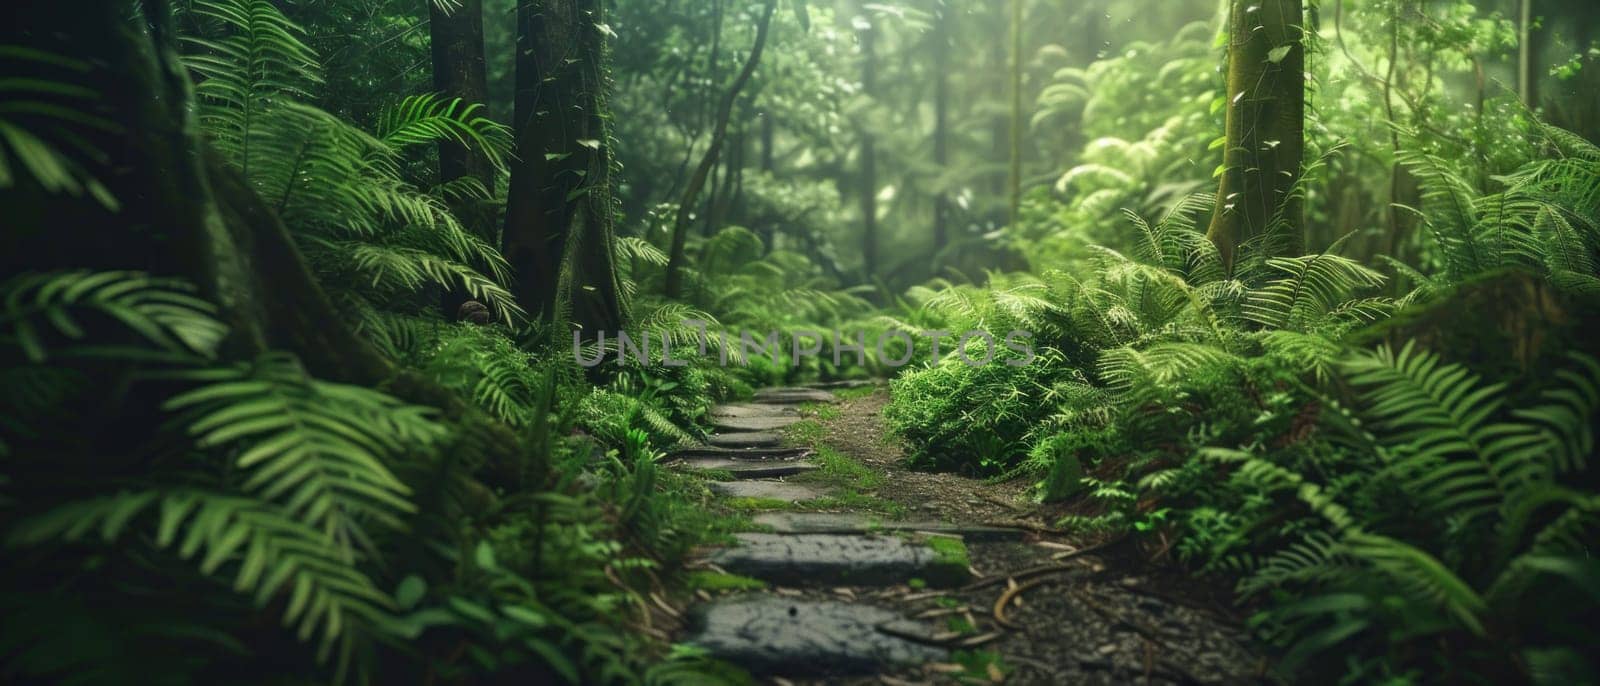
(951, 565)
(714, 581)
(758, 504)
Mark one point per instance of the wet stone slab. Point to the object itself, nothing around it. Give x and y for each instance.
(754, 423)
(766, 490)
(851, 523)
(753, 410)
(745, 439)
(794, 396)
(774, 635)
(743, 453)
(848, 383)
(835, 559)
(747, 469)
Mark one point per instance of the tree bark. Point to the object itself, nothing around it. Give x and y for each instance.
(559, 234)
(1014, 186)
(869, 154)
(459, 71)
(941, 127)
(1265, 128)
(691, 193)
(1525, 75)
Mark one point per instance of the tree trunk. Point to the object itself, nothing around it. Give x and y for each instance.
(941, 127)
(559, 214)
(1265, 125)
(768, 133)
(691, 192)
(1525, 55)
(1014, 186)
(869, 156)
(459, 71)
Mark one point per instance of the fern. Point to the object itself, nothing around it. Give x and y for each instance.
(36, 116)
(40, 309)
(316, 448)
(271, 555)
(341, 190)
(1314, 293)
(427, 119)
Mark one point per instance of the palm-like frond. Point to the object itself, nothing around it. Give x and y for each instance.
(429, 118)
(318, 449)
(37, 117)
(161, 312)
(272, 555)
(1313, 290)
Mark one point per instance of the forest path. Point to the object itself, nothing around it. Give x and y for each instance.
(874, 574)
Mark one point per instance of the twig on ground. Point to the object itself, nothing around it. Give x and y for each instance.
(1012, 593)
(1043, 569)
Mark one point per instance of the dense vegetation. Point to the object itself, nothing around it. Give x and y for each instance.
(292, 292)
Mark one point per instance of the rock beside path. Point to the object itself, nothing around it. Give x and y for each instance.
(774, 635)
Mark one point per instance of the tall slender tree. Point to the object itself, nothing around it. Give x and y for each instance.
(460, 71)
(869, 154)
(559, 215)
(1014, 185)
(941, 124)
(673, 286)
(1265, 128)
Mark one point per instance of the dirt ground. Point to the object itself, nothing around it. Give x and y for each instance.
(1110, 615)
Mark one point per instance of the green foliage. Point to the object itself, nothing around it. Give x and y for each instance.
(343, 192)
(36, 121)
(1488, 533)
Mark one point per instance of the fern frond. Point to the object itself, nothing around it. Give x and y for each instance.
(319, 449)
(162, 312)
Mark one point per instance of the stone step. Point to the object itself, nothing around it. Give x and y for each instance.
(852, 523)
(753, 410)
(840, 559)
(847, 383)
(747, 469)
(742, 453)
(794, 396)
(745, 439)
(768, 634)
(773, 635)
(754, 423)
(766, 490)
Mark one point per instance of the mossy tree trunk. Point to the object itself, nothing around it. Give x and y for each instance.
(559, 235)
(691, 192)
(1264, 132)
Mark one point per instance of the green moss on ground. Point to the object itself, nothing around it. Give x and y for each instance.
(951, 566)
(717, 581)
